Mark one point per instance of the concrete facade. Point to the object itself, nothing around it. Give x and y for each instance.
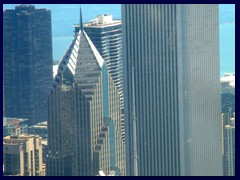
(175, 53)
(22, 155)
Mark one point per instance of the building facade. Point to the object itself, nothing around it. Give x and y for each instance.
(229, 151)
(229, 148)
(84, 115)
(14, 126)
(106, 35)
(174, 50)
(22, 155)
(27, 62)
(228, 120)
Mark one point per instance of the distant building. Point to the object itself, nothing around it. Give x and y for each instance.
(14, 126)
(84, 115)
(228, 83)
(228, 96)
(229, 149)
(39, 129)
(106, 35)
(27, 62)
(228, 118)
(22, 155)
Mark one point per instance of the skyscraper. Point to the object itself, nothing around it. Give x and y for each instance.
(229, 150)
(27, 62)
(106, 35)
(174, 50)
(84, 117)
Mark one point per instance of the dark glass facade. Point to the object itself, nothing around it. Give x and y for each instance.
(27, 62)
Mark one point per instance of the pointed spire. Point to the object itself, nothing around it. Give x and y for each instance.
(81, 23)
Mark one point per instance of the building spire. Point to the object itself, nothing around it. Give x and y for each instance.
(81, 24)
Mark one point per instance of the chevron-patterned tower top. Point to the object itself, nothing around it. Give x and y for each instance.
(84, 119)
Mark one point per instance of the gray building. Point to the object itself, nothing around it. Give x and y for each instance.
(27, 62)
(106, 35)
(174, 50)
(84, 115)
(229, 150)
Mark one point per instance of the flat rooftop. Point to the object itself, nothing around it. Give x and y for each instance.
(113, 23)
(101, 21)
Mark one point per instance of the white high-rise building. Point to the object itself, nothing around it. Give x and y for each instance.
(174, 49)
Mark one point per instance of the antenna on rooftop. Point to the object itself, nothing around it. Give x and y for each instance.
(81, 24)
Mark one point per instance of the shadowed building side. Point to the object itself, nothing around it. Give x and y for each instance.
(27, 62)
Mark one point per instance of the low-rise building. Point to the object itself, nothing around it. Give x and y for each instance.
(22, 155)
(14, 126)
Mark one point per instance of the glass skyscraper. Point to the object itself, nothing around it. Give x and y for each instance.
(27, 62)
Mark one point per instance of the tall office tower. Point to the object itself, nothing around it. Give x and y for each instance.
(84, 118)
(27, 62)
(106, 35)
(22, 155)
(229, 149)
(174, 50)
(227, 97)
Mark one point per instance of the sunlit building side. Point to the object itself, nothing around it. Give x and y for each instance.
(84, 115)
(106, 35)
(22, 155)
(174, 49)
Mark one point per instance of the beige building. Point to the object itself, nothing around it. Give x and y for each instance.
(22, 155)
(84, 110)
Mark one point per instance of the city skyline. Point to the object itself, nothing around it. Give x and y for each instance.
(62, 27)
(139, 95)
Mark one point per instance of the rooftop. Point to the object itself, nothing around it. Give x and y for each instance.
(7, 120)
(81, 63)
(230, 78)
(19, 138)
(101, 21)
